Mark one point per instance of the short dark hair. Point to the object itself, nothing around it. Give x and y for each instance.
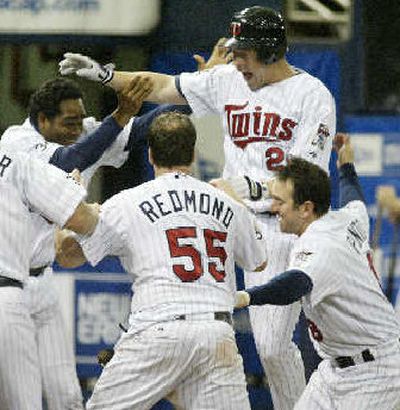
(172, 137)
(49, 95)
(310, 183)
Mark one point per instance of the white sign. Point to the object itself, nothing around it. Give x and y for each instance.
(368, 149)
(98, 315)
(103, 17)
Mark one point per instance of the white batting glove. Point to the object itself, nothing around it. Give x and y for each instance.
(86, 67)
(247, 188)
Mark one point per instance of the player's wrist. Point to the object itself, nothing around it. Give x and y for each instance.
(257, 189)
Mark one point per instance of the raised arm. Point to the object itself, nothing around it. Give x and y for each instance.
(89, 148)
(349, 185)
(164, 88)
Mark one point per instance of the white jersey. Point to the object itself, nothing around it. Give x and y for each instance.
(262, 128)
(179, 237)
(25, 138)
(28, 185)
(346, 309)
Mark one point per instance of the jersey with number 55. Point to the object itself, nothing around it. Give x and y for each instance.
(263, 128)
(180, 238)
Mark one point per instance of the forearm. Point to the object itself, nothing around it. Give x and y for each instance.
(284, 289)
(84, 220)
(164, 90)
(88, 149)
(349, 185)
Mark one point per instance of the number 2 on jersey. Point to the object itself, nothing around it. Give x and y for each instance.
(274, 158)
(177, 249)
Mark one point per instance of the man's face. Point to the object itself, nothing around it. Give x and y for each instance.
(289, 215)
(66, 127)
(253, 70)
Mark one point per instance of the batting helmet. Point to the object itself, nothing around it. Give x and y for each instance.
(259, 28)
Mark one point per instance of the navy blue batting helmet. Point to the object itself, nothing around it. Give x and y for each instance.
(262, 29)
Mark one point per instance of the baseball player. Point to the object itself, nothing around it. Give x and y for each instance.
(352, 324)
(270, 110)
(179, 237)
(51, 134)
(28, 185)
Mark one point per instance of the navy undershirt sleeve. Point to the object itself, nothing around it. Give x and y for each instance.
(349, 185)
(284, 289)
(142, 123)
(87, 149)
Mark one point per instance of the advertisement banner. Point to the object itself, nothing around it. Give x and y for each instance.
(101, 303)
(103, 17)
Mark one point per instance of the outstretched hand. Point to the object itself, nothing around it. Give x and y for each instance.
(86, 67)
(219, 55)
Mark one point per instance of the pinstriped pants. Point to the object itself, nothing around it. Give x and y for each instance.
(196, 360)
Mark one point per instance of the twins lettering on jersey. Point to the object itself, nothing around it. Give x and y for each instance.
(173, 201)
(247, 127)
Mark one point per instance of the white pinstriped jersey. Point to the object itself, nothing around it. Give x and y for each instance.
(28, 185)
(293, 117)
(346, 308)
(25, 138)
(179, 237)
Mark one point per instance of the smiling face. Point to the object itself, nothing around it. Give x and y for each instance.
(292, 218)
(66, 126)
(253, 71)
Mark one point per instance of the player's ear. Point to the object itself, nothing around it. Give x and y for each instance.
(307, 209)
(42, 121)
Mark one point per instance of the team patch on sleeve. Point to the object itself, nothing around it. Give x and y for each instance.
(319, 141)
(302, 258)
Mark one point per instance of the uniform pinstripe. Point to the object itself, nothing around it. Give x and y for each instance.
(26, 185)
(56, 357)
(347, 313)
(179, 237)
(262, 129)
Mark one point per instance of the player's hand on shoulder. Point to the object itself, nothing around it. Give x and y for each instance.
(344, 148)
(226, 186)
(219, 55)
(245, 187)
(86, 67)
(242, 299)
(131, 97)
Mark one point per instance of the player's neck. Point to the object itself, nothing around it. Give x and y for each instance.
(307, 223)
(158, 171)
(279, 71)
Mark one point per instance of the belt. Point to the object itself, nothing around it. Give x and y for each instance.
(37, 271)
(10, 282)
(224, 316)
(347, 361)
